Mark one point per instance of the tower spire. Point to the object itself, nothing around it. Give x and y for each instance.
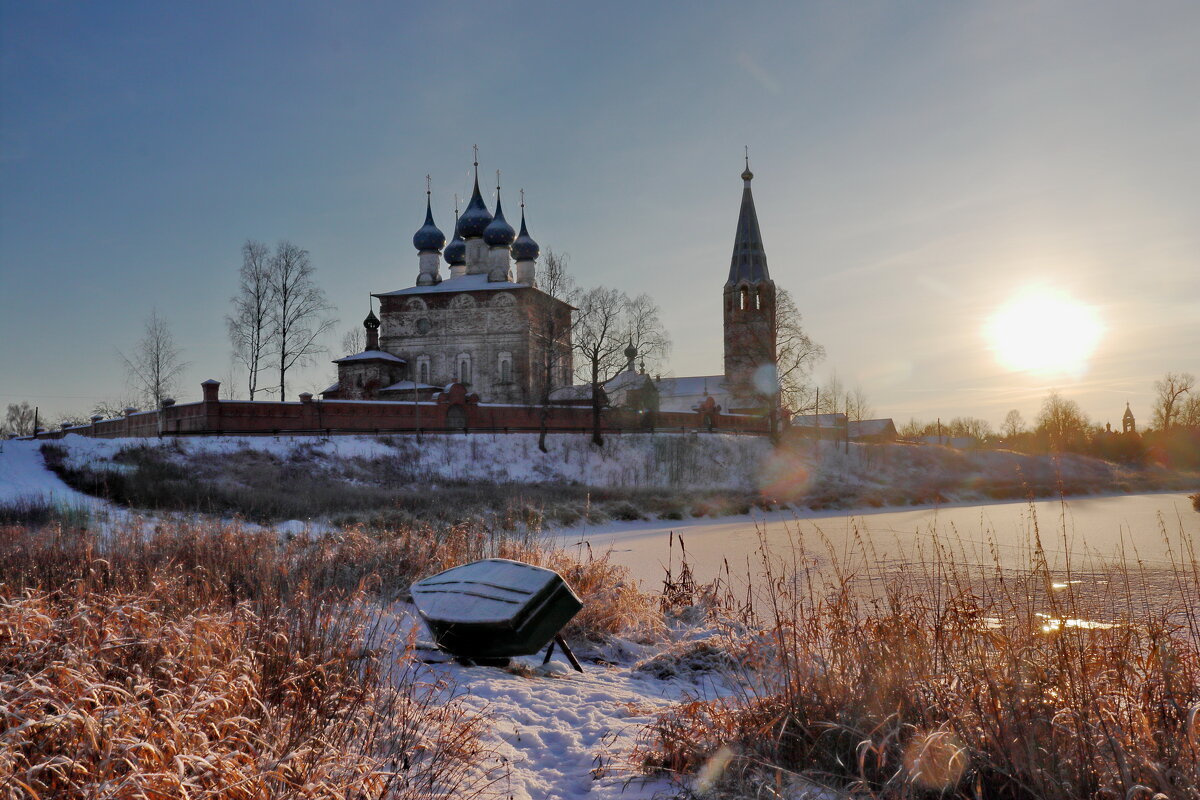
(749, 262)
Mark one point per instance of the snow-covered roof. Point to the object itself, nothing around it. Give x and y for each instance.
(692, 385)
(819, 420)
(370, 355)
(684, 394)
(332, 388)
(408, 386)
(872, 427)
(463, 283)
(581, 391)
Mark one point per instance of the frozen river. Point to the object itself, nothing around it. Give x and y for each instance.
(1084, 534)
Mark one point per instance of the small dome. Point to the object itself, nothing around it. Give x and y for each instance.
(428, 239)
(372, 321)
(456, 251)
(475, 218)
(499, 233)
(524, 248)
(630, 352)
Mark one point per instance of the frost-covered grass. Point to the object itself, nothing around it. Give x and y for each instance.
(941, 678)
(205, 659)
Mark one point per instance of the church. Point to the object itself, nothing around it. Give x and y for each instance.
(487, 326)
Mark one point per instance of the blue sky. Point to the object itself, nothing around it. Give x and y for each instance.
(916, 165)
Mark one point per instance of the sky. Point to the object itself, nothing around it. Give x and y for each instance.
(919, 169)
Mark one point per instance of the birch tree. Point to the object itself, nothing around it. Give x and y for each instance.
(298, 311)
(155, 364)
(251, 331)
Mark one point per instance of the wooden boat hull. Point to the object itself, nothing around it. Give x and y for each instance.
(495, 608)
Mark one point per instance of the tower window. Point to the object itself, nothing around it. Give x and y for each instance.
(745, 298)
(464, 368)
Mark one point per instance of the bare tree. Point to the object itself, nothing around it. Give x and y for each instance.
(298, 310)
(973, 427)
(832, 396)
(553, 335)
(19, 419)
(1014, 424)
(1062, 422)
(251, 331)
(1189, 413)
(858, 407)
(795, 353)
(111, 408)
(1168, 392)
(646, 332)
(353, 341)
(599, 337)
(154, 366)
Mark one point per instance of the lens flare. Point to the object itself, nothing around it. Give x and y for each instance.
(1044, 331)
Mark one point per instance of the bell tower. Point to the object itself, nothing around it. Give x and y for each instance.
(749, 308)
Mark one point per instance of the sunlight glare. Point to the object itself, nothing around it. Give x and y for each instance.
(1044, 331)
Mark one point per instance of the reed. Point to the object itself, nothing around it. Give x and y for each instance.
(945, 678)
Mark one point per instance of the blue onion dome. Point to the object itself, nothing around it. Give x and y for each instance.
(524, 248)
(456, 251)
(428, 239)
(499, 233)
(475, 217)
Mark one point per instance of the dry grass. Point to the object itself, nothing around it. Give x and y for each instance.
(210, 660)
(949, 680)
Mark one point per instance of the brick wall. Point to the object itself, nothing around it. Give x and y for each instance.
(448, 412)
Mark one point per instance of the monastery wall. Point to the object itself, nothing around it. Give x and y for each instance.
(452, 410)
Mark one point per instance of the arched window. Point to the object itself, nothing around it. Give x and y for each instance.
(745, 298)
(464, 368)
(423, 369)
(505, 367)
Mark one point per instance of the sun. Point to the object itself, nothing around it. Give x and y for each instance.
(1044, 331)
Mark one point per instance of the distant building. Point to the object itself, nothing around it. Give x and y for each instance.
(839, 426)
(1128, 423)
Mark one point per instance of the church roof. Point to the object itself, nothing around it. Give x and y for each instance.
(462, 283)
(467, 283)
(749, 262)
(683, 394)
(408, 386)
(370, 355)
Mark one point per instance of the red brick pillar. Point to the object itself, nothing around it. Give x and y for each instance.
(212, 404)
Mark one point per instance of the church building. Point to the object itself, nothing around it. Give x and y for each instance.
(485, 325)
(749, 382)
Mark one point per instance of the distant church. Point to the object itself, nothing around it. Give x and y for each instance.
(748, 313)
(490, 328)
(486, 326)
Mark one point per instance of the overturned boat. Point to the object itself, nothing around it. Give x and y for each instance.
(496, 608)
